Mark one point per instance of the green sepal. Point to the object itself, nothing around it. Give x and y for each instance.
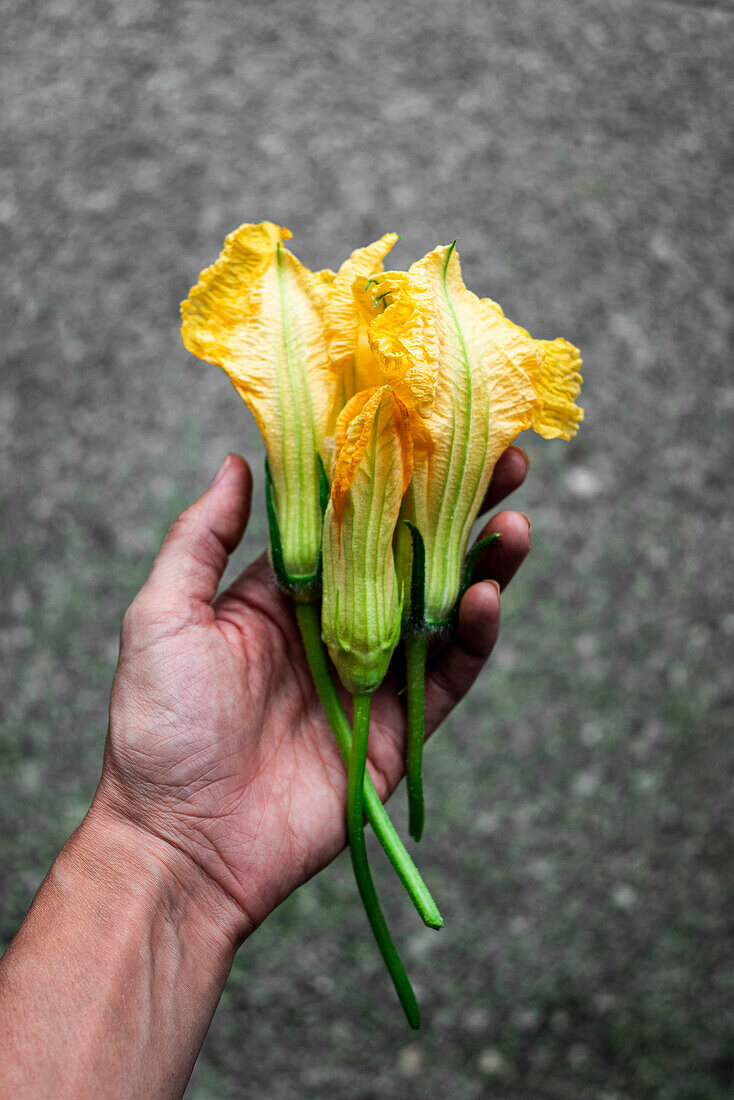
(324, 491)
(416, 622)
(471, 560)
(416, 617)
(304, 589)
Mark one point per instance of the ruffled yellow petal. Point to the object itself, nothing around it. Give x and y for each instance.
(402, 336)
(349, 352)
(351, 410)
(258, 314)
(253, 312)
(557, 384)
(353, 430)
(557, 417)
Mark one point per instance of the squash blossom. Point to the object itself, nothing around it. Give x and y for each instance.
(378, 431)
(258, 313)
(494, 381)
(361, 609)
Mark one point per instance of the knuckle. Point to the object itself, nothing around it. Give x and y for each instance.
(205, 548)
(181, 526)
(196, 540)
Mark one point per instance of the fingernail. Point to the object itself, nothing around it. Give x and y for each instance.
(221, 471)
(527, 520)
(495, 585)
(523, 452)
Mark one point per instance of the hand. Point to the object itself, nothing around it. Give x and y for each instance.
(218, 748)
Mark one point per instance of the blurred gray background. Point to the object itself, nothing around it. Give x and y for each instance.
(580, 835)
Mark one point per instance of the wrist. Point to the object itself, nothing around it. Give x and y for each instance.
(118, 967)
(113, 859)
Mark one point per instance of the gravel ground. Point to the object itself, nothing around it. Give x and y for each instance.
(580, 836)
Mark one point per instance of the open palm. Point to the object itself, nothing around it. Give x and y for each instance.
(218, 743)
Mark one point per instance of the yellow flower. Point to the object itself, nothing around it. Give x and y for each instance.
(259, 314)
(376, 435)
(362, 607)
(494, 381)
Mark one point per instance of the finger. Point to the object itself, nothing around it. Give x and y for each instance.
(509, 473)
(194, 553)
(456, 667)
(502, 560)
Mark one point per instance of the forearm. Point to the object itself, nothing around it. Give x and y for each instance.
(111, 982)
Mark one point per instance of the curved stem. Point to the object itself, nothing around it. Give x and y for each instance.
(406, 870)
(358, 851)
(416, 647)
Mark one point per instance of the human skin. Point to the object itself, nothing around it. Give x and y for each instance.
(222, 791)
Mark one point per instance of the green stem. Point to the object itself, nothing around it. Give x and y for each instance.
(416, 648)
(358, 851)
(406, 870)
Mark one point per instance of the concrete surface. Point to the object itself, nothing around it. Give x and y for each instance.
(580, 836)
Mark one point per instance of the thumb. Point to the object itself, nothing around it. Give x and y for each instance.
(192, 559)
